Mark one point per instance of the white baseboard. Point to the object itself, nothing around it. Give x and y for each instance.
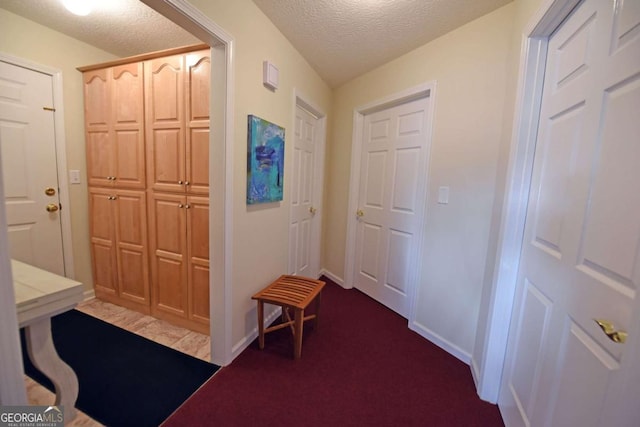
(447, 346)
(339, 280)
(241, 345)
(475, 373)
(89, 295)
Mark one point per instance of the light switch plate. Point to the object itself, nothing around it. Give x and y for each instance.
(443, 195)
(74, 176)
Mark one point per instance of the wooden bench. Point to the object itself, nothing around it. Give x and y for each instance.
(290, 292)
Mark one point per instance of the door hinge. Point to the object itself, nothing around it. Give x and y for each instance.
(48, 108)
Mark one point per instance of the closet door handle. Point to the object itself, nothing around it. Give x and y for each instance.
(181, 206)
(610, 331)
(188, 206)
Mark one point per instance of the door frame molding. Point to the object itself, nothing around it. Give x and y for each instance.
(533, 58)
(424, 90)
(221, 194)
(61, 153)
(303, 101)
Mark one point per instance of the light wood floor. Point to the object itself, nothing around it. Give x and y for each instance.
(184, 340)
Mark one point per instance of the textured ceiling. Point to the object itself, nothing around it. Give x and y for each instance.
(121, 27)
(342, 39)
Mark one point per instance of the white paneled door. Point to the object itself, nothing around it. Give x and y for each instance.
(28, 147)
(581, 251)
(304, 227)
(391, 202)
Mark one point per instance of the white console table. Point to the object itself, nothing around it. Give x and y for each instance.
(41, 295)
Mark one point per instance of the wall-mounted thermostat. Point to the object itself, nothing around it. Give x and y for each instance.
(270, 75)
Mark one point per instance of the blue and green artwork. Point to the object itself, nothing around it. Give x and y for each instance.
(265, 161)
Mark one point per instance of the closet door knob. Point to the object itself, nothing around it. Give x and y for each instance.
(186, 183)
(52, 207)
(181, 206)
(180, 182)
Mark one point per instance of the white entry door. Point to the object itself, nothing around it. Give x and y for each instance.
(28, 149)
(391, 202)
(306, 194)
(581, 249)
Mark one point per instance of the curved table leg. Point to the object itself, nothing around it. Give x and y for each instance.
(43, 355)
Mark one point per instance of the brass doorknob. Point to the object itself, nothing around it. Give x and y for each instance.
(610, 331)
(52, 207)
(359, 213)
(312, 210)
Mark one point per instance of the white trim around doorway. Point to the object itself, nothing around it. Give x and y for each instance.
(421, 91)
(531, 77)
(222, 45)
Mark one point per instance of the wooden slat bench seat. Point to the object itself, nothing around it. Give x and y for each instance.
(290, 292)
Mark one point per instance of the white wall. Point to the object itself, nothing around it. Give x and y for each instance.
(260, 240)
(469, 66)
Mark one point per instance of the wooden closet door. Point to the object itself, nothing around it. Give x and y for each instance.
(164, 103)
(168, 244)
(128, 125)
(102, 237)
(198, 67)
(97, 113)
(132, 246)
(198, 243)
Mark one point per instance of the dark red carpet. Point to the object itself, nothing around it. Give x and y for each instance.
(363, 367)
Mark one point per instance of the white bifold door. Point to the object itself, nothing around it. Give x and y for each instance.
(28, 149)
(391, 202)
(573, 343)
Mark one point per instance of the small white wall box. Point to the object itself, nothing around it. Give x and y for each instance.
(270, 75)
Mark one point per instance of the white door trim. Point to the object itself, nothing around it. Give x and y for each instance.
(61, 153)
(221, 177)
(301, 100)
(425, 90)
(523, 142)
(12, 387)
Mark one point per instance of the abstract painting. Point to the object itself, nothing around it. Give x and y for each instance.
(265, 161)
